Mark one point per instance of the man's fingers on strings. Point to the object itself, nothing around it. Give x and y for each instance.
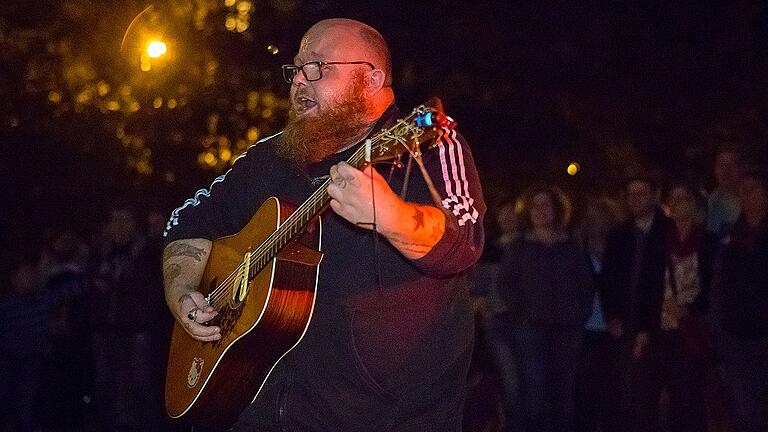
(347, 172)
(201, 316)
(336, 206)
(206, 337)
(336, 176)
(201, 332)
(334, 191)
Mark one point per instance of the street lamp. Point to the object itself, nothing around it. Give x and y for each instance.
(156, 48)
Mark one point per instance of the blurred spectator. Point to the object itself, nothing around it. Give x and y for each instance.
(598, 388)
(548, 288)
(723, 203)
(67, 370)
(742, 307)
(24, 333)
(121, 321)
(671, 316)
(634, 265)
(496, 322)
(162, 326)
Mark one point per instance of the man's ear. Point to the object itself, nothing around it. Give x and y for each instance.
(375, 80)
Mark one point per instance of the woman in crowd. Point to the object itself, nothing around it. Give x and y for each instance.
(673, 316)
(548, 287)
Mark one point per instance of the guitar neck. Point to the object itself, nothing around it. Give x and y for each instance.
(385, 145)
(298, 220)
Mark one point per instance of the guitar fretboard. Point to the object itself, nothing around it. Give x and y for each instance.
(299, 219)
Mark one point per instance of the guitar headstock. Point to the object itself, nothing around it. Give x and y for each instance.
(410, 134)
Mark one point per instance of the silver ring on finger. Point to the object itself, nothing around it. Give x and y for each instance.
(192, 315)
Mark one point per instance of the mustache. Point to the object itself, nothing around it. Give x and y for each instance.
(302, 93)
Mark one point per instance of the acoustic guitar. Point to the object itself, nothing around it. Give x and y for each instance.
(262, 282)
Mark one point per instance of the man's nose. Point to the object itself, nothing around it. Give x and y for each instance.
(299, 79)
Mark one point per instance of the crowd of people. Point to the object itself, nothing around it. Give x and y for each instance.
(647, 313)
(650, 313)
(85, 330)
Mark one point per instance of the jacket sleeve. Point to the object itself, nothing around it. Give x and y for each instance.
(221, 209)
(452, 170)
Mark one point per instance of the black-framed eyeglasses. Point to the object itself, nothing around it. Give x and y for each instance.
(313, 70)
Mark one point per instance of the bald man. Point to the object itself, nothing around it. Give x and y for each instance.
(387, 353)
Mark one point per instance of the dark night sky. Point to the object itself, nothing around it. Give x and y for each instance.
(618, 86)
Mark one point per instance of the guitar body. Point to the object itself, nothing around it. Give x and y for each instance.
(210, 383)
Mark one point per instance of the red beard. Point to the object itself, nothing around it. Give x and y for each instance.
(311, 139)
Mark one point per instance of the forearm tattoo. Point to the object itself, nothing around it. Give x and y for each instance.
(183, 249)
(418, 217)
(425, 233)
(172, 271)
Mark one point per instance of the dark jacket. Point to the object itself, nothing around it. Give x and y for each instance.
(622, 300)
(742, 283)
(546, 284)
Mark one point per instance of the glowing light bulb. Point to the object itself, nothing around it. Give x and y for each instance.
(573, 168)
(156, 49)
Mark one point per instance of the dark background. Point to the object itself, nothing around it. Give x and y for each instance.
(622, 87)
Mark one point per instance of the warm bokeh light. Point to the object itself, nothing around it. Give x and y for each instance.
(54, 96)
(573, 168)
(273, 49)
(209, 159)
(103, 88)
(253, 133)
(244, 7)
(156, 49)
(225, 155)
(230, 23)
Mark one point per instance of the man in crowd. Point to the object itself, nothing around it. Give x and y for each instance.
(390, 338)
(634, 266)
(723, 204)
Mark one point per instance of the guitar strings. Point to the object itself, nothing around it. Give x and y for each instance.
(223, 290)
(273, 240)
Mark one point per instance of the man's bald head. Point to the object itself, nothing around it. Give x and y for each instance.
(353, 38)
